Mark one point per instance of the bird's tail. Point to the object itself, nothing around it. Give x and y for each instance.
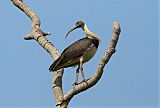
(53, 66)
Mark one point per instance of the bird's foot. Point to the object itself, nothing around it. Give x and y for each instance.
(85, 81)
(75, 83)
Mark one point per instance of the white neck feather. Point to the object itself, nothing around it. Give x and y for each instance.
(89, 33)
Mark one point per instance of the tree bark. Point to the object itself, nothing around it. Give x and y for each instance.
(62, 100)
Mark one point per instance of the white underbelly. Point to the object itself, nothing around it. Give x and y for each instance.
(89, 54)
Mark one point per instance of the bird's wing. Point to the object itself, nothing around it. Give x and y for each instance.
(76, 49)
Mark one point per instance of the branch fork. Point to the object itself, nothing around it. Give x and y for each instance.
(36, 33)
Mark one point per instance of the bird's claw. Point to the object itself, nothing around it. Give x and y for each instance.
(84, 80)
(75, 83)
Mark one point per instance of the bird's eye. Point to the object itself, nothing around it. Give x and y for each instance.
(80, 23)
(77, 23)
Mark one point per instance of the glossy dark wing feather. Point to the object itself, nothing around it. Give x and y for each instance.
(76, 49)
(54, 65)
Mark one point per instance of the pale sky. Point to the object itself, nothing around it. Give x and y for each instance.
(130, 79)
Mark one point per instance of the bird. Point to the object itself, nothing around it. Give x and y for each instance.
(78, 52)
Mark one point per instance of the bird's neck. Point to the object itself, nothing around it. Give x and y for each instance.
(89, 33)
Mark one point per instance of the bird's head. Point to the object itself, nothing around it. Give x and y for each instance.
(79, 24)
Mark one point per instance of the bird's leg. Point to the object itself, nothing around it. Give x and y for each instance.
(81, 69)
(77, 73)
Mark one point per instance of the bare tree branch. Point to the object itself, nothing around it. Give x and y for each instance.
(38, 35)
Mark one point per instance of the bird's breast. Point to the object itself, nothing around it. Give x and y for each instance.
(89, 54)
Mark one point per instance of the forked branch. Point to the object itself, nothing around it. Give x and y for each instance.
(38, 35)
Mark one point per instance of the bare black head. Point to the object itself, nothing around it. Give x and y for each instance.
(79, 24)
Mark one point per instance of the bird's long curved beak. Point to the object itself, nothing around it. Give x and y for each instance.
(73, 28)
